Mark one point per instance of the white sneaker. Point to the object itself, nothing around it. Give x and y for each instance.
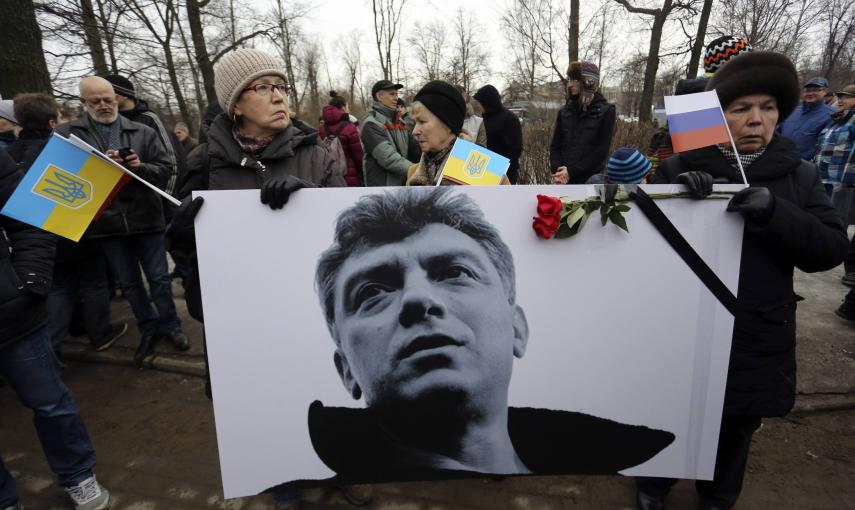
(89, 495)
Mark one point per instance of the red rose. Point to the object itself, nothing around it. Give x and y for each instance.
(549, 206)
(546, 226)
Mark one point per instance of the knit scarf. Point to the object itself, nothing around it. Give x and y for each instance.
(746, 159)
(433, 162)
(109, 135)
(251, 145)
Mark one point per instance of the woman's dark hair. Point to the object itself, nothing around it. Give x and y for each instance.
(337, 100)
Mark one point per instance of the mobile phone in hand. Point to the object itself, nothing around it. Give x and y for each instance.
(124, 152)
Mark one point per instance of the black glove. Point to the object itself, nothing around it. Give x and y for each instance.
(181, 232)
(699, 183)
(276, 191)
(756, 204)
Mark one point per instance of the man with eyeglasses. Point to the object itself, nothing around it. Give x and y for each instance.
(130, 230)
(390, 148)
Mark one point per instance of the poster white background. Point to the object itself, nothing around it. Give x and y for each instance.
(620, 327)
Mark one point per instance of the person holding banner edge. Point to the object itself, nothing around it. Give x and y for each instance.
(790, 223)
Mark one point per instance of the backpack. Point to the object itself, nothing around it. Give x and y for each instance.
(337, 151)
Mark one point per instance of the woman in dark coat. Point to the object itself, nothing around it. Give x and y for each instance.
(789, 223)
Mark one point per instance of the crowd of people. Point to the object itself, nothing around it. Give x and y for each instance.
(794, 141)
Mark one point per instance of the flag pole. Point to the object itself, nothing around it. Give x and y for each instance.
(732, 143)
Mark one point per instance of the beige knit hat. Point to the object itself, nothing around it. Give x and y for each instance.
(239, 68)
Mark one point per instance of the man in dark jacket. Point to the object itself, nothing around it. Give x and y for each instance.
(504, 133)
(131, 228)
(789, 223)
(80, 267)
(584, 128)
(27, 360)
(136, 109)
(390, 149)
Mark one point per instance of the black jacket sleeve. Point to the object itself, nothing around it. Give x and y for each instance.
(513, 141)
(813, 235)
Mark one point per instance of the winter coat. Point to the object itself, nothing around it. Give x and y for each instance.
(390, 149)
(804, 232)
(336, 122)
(221, 164)
(835, 154)
(417, 175)
(28, 145)
(174, 148)
(581, 139)
(504, 132)
(804, 125)
(136, 209)
(26, 267)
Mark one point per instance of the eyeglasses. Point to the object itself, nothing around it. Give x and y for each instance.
(94, 102)
(264, 89)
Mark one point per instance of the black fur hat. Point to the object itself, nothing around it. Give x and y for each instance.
(758, 72)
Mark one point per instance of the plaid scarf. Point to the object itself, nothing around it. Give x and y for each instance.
(746, 159)
(434, 161)
(835, 159)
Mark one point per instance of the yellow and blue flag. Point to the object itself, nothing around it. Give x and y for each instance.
(65, 189)
(472, 164)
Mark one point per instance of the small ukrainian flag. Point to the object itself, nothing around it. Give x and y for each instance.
(65, 189)
(472, 164)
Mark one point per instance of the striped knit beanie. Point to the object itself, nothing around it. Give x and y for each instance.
(121, 85)
(627, 166)
(237, 69)
(723, 49)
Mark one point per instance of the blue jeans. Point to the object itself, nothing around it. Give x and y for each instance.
(87, 278)
(126, 255)
(32, 370)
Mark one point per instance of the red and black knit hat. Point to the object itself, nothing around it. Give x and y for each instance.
(121, 85)
(723, 49)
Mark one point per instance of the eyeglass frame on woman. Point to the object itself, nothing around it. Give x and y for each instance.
(283, 88)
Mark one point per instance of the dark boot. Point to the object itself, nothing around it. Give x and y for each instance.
(145, 349)
(178, 339)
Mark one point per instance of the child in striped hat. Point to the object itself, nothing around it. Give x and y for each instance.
(627, 166)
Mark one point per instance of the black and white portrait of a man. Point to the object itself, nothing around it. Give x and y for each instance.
(419, 295)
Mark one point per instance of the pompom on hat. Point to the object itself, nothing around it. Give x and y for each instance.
(627, 166)
(237, 69)
(758, 72)
(722, 50)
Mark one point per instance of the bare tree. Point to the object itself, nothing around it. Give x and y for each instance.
(200, 47)
(310, 59)
(470, 60)
(839, 21)
(573, 32)
(698, 46)
(348, 48)
(659, 15)
(773, 25)
(286, 37)
(387, 22)
(429, 42)
(23, 69)
(545, 26)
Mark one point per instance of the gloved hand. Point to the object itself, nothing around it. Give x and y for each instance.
(181, 232)
(756, 204)
(699, 182)
(276, 191)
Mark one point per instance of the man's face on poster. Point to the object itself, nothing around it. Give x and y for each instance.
(425, 316)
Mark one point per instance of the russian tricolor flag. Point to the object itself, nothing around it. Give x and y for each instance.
(695, 121)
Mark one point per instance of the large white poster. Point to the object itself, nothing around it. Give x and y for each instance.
(431, 334)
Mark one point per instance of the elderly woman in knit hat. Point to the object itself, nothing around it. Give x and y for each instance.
(584, 128)
(789, 223)
(438, 111)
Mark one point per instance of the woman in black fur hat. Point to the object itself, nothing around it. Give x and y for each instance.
(789, 222)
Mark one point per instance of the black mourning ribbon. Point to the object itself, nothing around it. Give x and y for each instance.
(684, 249)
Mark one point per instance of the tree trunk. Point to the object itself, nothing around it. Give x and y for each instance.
(698, 47)
(93, 37)
(109, 36)
(22, 65)
(645, 114)
(176, 85)
(574, 31)
(203, 60)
